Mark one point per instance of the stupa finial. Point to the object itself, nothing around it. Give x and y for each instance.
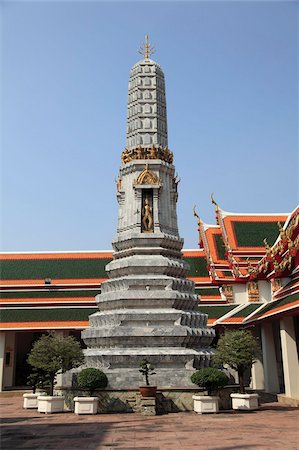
(146, 49)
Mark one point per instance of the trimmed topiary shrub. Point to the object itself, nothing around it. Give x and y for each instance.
(209, 378)
(91, 379)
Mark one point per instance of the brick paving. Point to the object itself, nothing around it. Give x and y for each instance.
(273, 426)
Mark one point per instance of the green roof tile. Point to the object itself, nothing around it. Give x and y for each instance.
(51, 294)
(39, 269)
(198, 266)
(281, 302)
(220, 246)
(31, 269)
(252, 234)
(216, 311)
(249, 309)
(45, 314)
(212, 292)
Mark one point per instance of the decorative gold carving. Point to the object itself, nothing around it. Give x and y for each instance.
(253, 291)
(268, 249)
(281, 255)
(146, 49)
(147, 153)
(147, 217)
(147, 177)
(296, 243)
(262, 266)
(283, 265)
(227, 291)
(292, 225)
(282, 232)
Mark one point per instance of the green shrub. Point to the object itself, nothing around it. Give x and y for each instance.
(92, 379)
(209, 378)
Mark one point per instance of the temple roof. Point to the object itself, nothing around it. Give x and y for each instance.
(238, 242)
(45, 290)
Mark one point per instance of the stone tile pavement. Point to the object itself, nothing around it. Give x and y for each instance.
(273, 426)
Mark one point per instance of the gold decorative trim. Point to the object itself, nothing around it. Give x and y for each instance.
(147, 177)
(147, 153)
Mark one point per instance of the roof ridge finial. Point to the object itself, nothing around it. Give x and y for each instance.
(196, 215)
(146, 49)
(216, 208)
(214, 203)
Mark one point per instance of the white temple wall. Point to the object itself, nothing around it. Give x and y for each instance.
(264, 291)
(240, 293)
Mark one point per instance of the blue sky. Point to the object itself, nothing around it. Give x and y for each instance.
(231, 73)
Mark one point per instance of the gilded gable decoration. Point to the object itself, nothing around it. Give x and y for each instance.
(147, 177)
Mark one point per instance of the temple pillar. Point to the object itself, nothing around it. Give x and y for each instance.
(2, 358)
(289, 357)
(269, 359)
(257, 375)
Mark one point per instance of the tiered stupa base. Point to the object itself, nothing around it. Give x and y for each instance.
(148, 310)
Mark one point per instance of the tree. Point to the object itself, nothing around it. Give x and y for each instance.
(238, 349)
(53, 353)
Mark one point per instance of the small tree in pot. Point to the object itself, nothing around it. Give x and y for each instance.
(211, 380)
(37, 379)
(239, 349)
(54, 354)
(89, 379)
(147, 369)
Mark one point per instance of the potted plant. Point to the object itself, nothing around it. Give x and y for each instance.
(37, 379)
(147, 369)
(239, 350)
(54, 354)
(211, 380)
(89, 379)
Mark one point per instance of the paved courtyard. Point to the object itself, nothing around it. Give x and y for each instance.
(274, 426)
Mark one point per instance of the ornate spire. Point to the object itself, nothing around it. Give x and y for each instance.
(146, 49)
(147, 119)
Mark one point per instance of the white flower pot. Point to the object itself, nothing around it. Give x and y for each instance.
(245, 402)
(30, 401)
(204, 404)
(86, 405)
(50, 404)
